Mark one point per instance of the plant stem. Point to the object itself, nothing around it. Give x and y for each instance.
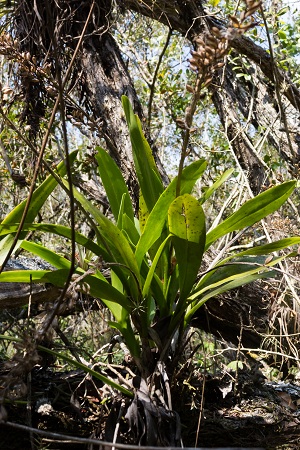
(189, 115)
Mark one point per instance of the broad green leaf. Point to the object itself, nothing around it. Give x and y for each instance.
(265, 249)
(47, 255)
(130, 230)
(159, 215)
(171, 288)
(35, 276)
(209, 192)
(149, 179)
(5, 246)
(113, 240)
(114, 184)
(119, 220)
(237, 281)
(151, 272)
(58, 230)
(272, 247)
(122, 318)
(156, 286)
(224, 270)
(39, 197)
(98, 287)
(143, 212)
(227, 277)
(253, 211)
(187, 225)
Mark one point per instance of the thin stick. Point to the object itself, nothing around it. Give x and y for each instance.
(201, 406)
(152, 84)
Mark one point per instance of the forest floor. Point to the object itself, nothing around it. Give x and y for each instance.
(226, 410)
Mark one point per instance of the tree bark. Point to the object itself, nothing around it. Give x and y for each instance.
(106, 80)
(15, 295)
(225, 100)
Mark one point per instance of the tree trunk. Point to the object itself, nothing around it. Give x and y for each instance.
(225, 100)
(106, 80)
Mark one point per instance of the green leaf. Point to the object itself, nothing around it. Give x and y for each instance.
(143, 212)
(98, 286)
(47, 255)
(265, 249)
(187, 225)
(224, 270)
(281, 35)
(272, 247)
(130, 230)
(38, 199)
(159, 215)
(283, 11)
(156, 286)
(237, 281)
(57, 277)
(151, 272)
(227, 277)
(58, 230)
(149, 179)
(253, 211)
(221, 180)
(116, 244)
(114, 184)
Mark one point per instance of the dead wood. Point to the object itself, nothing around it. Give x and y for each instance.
(14, 295)
(237, 316)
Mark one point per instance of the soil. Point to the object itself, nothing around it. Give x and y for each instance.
(227, 410)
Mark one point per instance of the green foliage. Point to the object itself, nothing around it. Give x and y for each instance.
(187, 227)
(117, 191)
(148, 176)
(38, 199)
(154, 268)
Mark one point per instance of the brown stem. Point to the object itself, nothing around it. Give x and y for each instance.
(189, 115)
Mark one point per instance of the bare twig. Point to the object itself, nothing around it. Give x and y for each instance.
(154, 78)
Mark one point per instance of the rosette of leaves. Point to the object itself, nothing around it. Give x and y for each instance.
(155, 284)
